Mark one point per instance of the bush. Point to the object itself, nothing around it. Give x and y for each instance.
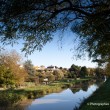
(9, 99)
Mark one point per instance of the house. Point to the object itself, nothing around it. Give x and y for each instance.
(51, 68)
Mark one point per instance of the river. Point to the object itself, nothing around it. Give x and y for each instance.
(68, 99)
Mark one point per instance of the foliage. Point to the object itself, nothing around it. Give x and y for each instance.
(51, 77)
(107, 69)
(74, 68)
(58, 74)
(10, 70)
(94, 31)
(35, 22)
(6, 76)
(74, 71)
(71, 75)
(9, 99)
(29, 67)
(91, 72)
(99, 72)
(83, 72)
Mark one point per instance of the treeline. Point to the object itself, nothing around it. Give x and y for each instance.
(12, 74)
(15, 73)
(83, 72)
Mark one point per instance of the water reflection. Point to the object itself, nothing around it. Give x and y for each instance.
(65, 100)
(68, 99)
(55, 101)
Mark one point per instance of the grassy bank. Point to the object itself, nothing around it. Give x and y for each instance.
(100, 100)
(14, 96)
(33, 92)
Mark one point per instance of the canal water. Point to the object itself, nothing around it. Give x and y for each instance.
(68, 99)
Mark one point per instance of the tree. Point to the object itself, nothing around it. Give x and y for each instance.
(94, 34)
(51, 77)
(58, 74)
(74, 68)
(35, 21)
(74, 71)
(107, 69)
(83, 72)
(10, 71)
(6, 76)
(91, 72)
(29, 68)
(99, 73)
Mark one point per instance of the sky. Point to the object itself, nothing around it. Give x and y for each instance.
(57, 53)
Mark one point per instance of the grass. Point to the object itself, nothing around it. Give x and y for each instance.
(100, 100)
(13, 96)
(33, 92)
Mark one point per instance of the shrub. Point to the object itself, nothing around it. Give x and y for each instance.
(9, 99)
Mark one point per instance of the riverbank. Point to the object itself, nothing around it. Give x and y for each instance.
(40, 90)
(16, 96)
(100, 100)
